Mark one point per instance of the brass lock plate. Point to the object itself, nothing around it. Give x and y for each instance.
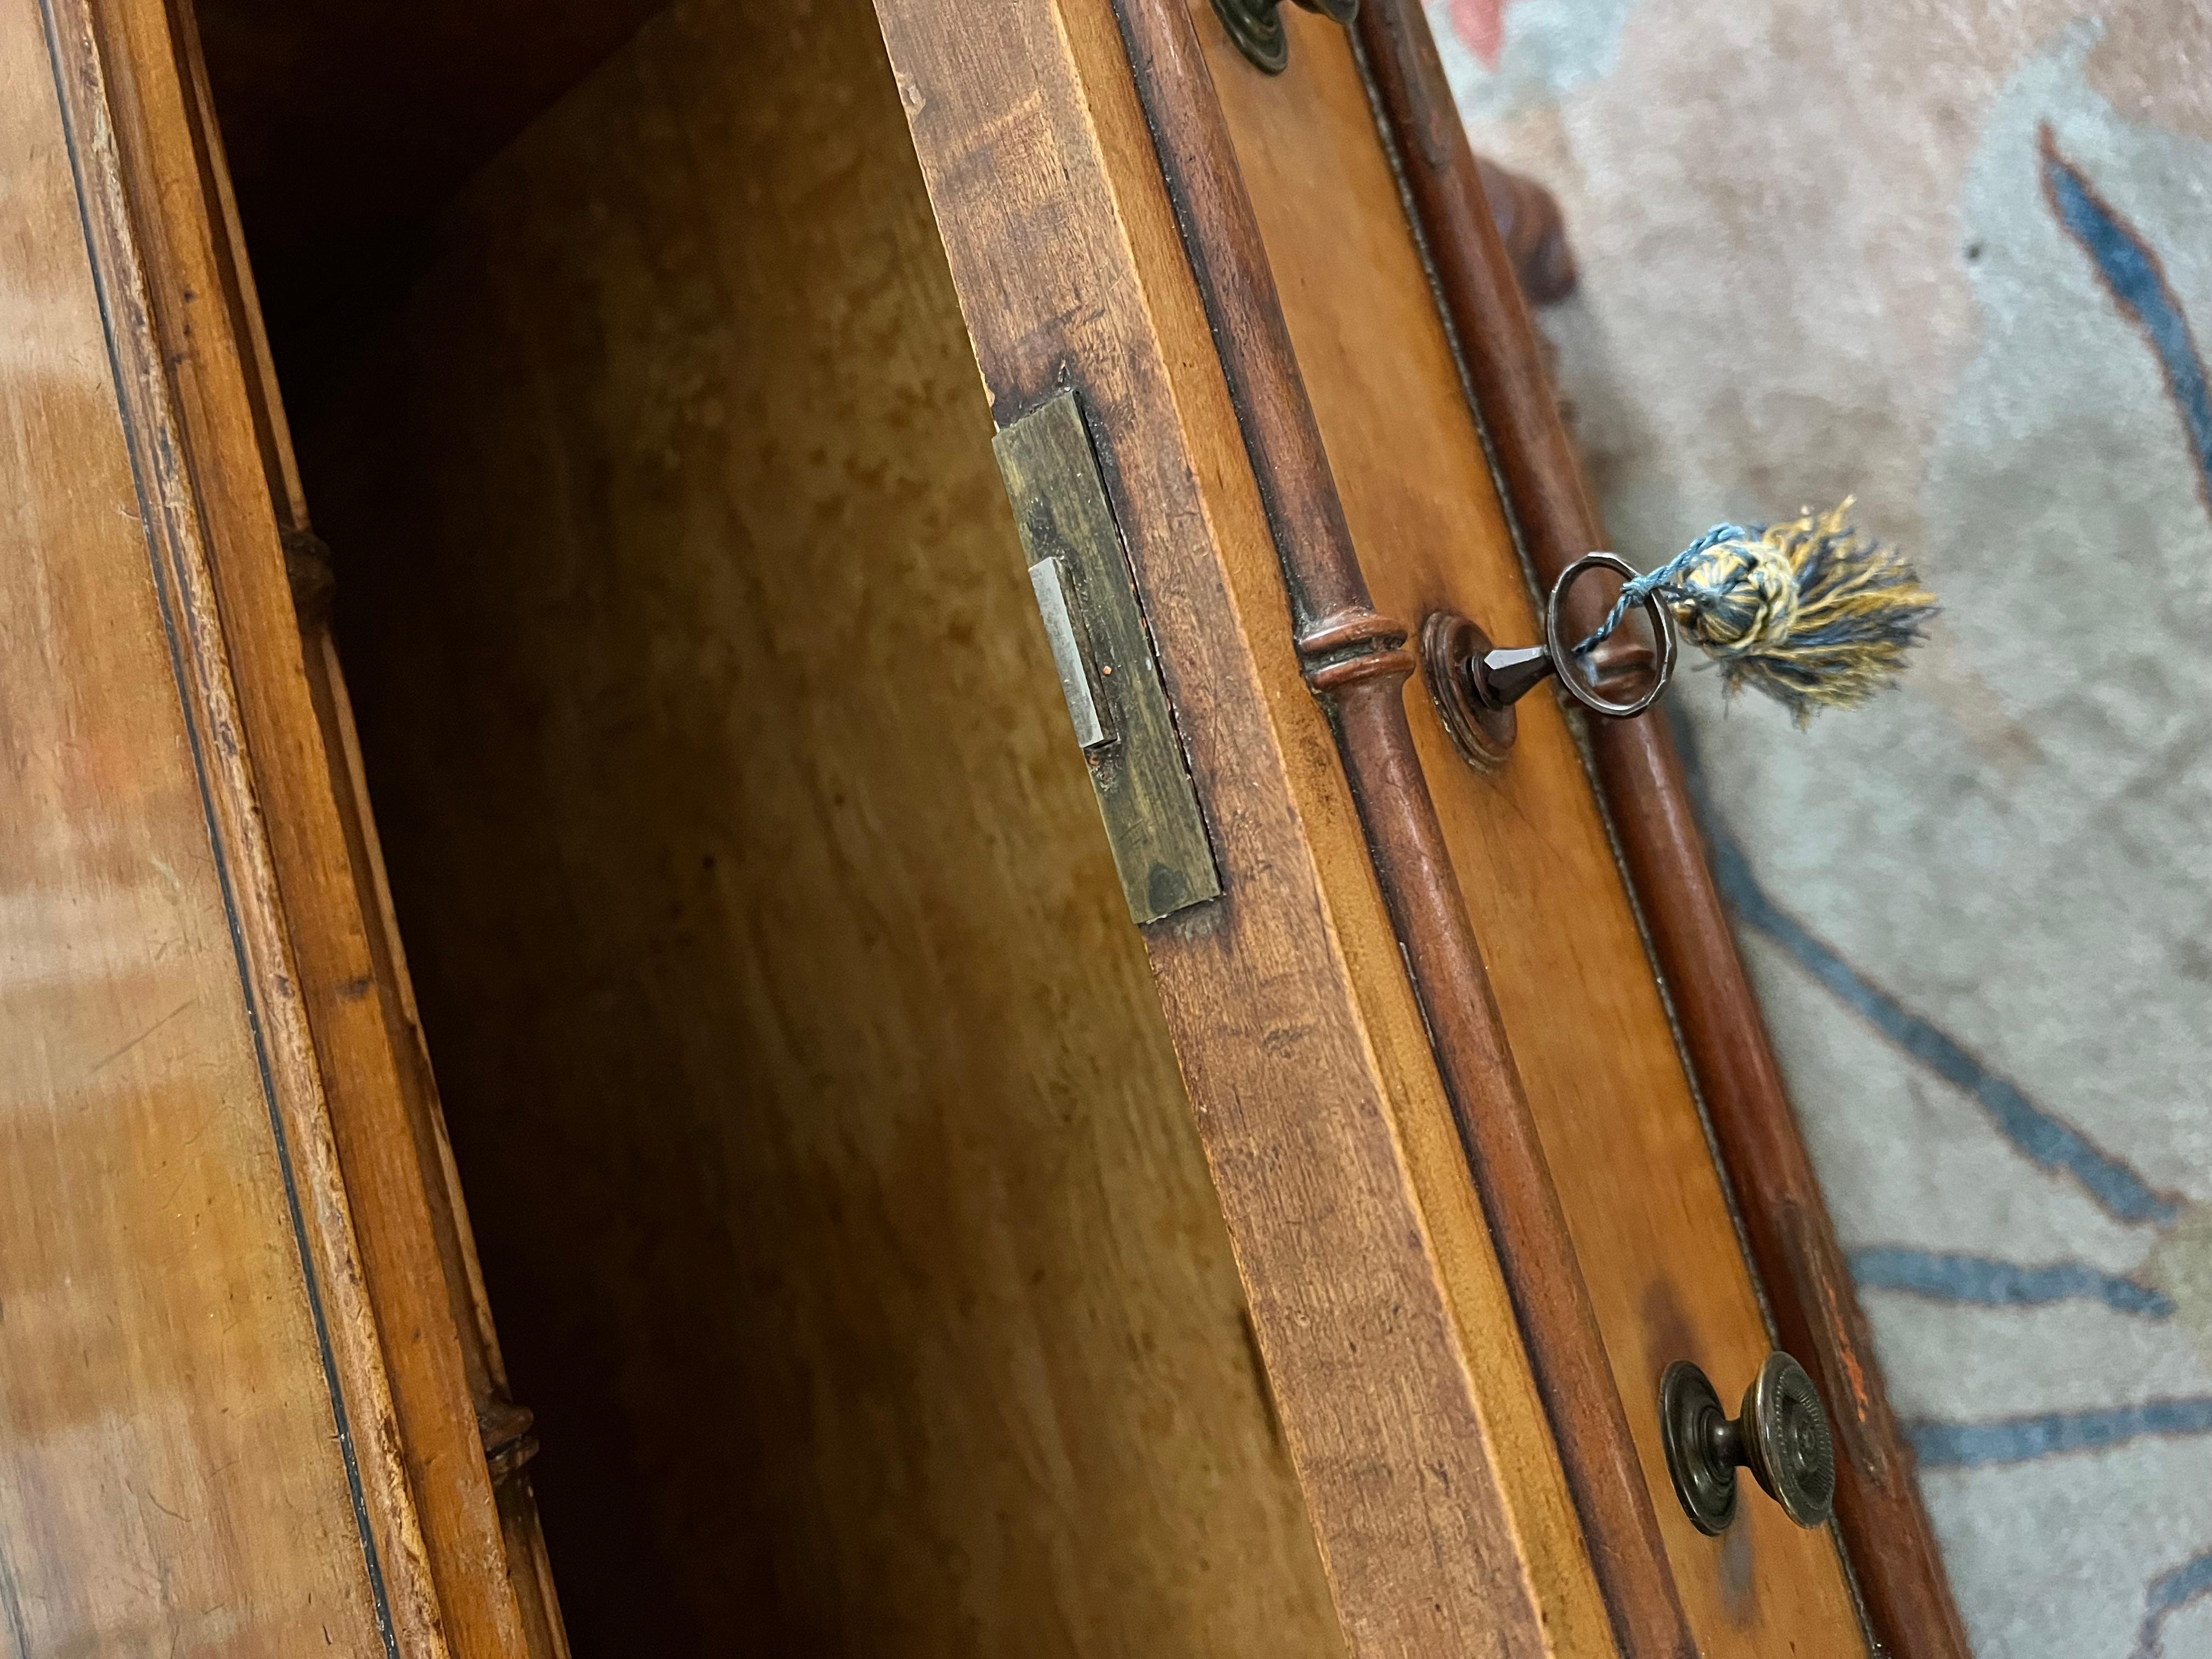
(1104, 655)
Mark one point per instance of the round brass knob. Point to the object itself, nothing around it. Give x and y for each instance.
(1256, 26)
(1780, 1433)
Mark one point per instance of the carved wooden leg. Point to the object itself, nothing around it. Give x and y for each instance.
(1535, 233)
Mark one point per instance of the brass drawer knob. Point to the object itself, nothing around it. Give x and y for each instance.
(1780, 1434)
(1256, 26)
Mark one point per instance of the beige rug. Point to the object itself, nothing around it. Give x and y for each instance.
(1954, 258)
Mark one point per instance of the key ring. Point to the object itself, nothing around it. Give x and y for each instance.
(1476, 684)
(1663, 630)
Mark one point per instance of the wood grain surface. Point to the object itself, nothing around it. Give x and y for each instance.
(806, 1067)
(1588, 1027)
(1435, 1487)
(1884, 1525)
(1356, 660)
(834, 1181)
(197, 1441)
(382, 1106)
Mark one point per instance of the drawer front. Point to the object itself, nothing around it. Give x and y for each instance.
(1575, 990)
(1413, 1422)
(1217, 259)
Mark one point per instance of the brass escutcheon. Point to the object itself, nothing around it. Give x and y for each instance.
(1475, 684)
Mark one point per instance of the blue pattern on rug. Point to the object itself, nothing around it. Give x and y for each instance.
(2132, 272)
(1950, 1276)
(2041, 1137)
(2016, 1439)
(2169, 1593)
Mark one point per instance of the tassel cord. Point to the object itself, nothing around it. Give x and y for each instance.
(1808, 611)
(1666, 582)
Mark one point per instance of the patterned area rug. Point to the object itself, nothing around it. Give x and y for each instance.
(1949, 256)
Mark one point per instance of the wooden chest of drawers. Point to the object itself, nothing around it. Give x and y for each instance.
(901, 1250)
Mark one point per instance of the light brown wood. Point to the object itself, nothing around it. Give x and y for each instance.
(1423, 1451)
(197, 1440)
(1880, 1517)
(1358, 662)
(382, 1110)
(497, 1589)
(839, 1189)
(1587, 1028)
(521, 1567)
(836, 1186)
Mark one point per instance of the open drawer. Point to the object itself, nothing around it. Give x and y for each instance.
(1227, 1179)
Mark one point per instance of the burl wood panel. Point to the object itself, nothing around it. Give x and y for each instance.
(832, 1178)
(1582, 1009)
(193, 1450)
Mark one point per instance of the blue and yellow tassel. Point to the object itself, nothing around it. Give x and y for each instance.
(1810, 612)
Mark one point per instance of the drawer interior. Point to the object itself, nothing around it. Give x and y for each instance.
(833, 1186)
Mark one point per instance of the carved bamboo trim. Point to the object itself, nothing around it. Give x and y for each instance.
(1885, 1529)
(1356, 662)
